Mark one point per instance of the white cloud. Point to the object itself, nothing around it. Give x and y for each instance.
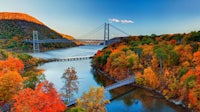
(127, 21)
(124, 21)
(114, 20)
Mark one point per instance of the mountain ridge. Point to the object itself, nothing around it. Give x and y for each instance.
(20, 26)
(25, 17)
(19, 16)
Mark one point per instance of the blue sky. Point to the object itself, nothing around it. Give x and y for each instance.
(77, 17)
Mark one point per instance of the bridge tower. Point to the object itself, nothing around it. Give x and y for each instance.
(106, 33)
(36, 47)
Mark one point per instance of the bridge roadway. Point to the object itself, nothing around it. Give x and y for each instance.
(110, 87)
(89, 40)
(49, 41)
(75, 58)
(61, 41)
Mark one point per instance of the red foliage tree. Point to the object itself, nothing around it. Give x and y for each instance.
(43, 99)
(173, 42)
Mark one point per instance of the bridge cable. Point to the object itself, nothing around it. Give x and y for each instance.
(97, 30)
(93, 31)
(119, 30)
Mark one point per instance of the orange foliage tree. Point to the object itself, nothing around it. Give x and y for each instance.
(10, 79)
(11, 64)
(193, 97)
(186, 51)
(10, 83)
(43, 99)
(149, 78)
(192, 82)
(196, 57)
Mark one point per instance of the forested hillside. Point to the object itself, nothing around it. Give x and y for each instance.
(15, 27)
(168, 63)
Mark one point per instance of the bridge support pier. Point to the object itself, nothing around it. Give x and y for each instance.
(106, 33)
(36, 46)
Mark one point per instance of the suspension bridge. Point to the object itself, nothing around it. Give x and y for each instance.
(124, 82)
(107, 34)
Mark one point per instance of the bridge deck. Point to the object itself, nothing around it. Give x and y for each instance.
(110, 87)
(120, 83)
(61, 41)
(75, 58)
(49, 41)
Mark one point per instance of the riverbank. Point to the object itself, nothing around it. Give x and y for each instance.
(173, 101)
(158, 94)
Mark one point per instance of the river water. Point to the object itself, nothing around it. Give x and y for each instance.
(124, 99)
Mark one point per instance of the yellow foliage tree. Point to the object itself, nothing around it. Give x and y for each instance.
(10, 84)
(151, 78)
(93, 101)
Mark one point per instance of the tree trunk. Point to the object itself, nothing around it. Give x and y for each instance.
(161, 68)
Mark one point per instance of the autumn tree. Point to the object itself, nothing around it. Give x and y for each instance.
(11, 64)
(10, 79)
(93, 101)
(161, 55)
(193, 98)
(171, 86)
(43, 99)
(196, 58)
(121, 63)
(10, 84)
(32, 78)
(166, 55)
(70, 82)
(185, 52)
(27, 59)
(76, 109)
(191, 80)
(151, 78)
(147, 54)
(3, 54)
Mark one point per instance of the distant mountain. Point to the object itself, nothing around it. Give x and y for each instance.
(18, 16)
(19, 26)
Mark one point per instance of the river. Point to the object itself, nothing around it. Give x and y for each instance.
(135, 100)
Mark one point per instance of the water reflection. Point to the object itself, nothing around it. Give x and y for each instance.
(130, 99)
(140, 100)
